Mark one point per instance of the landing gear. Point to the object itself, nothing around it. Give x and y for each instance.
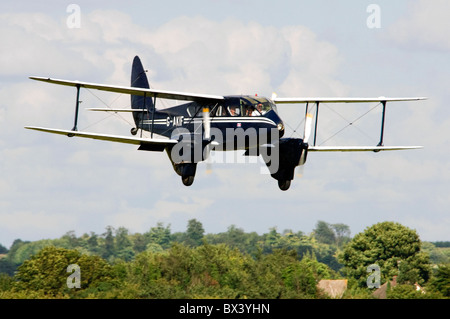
(134, 131)
(284, 185)
(187, 180)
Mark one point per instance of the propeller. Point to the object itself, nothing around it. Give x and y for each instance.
(206, 124)
(207, 138)
(308, 127)
(306, 136)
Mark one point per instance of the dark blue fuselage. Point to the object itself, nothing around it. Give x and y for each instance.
(254, 118)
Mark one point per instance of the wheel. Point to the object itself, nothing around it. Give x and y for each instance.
(187, 180)
(134, 131)
(284, 185)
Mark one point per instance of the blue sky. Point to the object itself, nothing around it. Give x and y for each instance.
(50, 184)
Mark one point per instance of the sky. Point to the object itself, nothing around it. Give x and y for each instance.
(50, 185)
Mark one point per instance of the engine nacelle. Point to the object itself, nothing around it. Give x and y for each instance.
(292, 152)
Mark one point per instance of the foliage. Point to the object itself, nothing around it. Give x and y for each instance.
(441, 280)
(393, 247)
(232, 264)
(3, 249)
(46, 271)
(439, 254)
(337, 234)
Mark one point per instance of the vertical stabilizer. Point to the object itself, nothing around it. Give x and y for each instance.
(139, 79)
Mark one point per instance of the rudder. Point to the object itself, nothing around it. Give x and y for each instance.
(139, 79)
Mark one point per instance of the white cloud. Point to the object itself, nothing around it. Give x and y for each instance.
(35, 225)
(138, 219)
(425, 25)
(99, 184)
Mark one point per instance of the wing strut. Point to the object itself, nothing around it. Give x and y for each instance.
(317, 120)
(76, 109)
(382, 123)
(153, 114)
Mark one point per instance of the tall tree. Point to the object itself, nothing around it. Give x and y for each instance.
(160, 235)
(92, 243)
(324, 233)
(123, 245)
(194, 233)
(342, 233)
(393, 247)
(108, 249)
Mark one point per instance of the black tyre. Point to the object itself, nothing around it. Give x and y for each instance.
(284, 185)
(187, 180)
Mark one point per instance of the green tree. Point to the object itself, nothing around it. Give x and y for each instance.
(93, 244)
(301, 278)
(272, 241)
(108, 249)
(139, 243)
(46, 272)
(3, 249)
(7, 267)
(393, 247)
(71, 240)
(160, 235)
(441, 280)
(324, 233)
(6, 282)
(342, 233)
(123, 245)
(194, 233)
(26, 250)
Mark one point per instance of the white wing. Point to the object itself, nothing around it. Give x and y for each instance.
(360, 148)
(172, 95)
(145, 143)
(290, 100)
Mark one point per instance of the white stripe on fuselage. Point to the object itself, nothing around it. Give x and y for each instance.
(169, 121)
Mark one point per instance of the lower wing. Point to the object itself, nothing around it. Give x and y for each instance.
(145, 143)
(360, 148)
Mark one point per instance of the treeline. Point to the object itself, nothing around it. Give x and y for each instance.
(119, 245)
(233, 264)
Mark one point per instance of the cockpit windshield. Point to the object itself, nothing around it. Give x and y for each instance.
(248, 106)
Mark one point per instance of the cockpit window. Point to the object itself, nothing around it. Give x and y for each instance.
(256, 106)
(248, 106)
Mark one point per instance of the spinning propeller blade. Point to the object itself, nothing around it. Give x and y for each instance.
(206, 124)
(308, 127)
(207, 137)
(306, 136)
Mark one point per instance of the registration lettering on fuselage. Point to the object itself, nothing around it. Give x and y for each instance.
(175, 121)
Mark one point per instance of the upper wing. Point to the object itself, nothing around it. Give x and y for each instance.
(145, 143)
(134, 90)
(117, 110)
(359, 148)
(344, 99)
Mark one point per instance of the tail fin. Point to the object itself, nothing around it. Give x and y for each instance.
(139, 79)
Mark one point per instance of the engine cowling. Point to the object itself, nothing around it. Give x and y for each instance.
(292, 152)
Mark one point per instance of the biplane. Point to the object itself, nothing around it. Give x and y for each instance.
(205, 123)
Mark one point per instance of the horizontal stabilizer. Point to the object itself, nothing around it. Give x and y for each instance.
(360, 148)
(147, 143)
(171, 95)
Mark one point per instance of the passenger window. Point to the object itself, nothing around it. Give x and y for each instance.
(234, 110)
(219, 111)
